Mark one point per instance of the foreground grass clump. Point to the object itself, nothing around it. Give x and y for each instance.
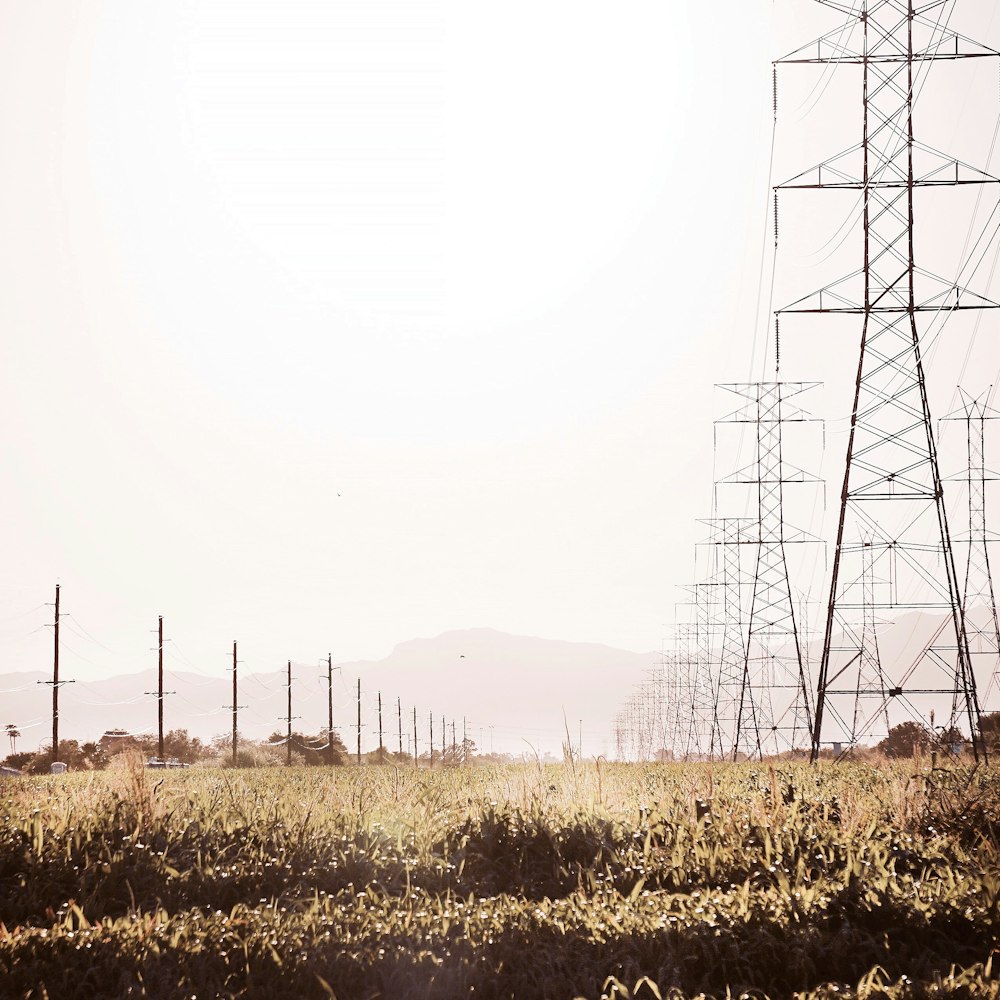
(514, 882)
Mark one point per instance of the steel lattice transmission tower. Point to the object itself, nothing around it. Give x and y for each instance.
(657, 702)
(642, 728)
(978, 596)
(892, 512)
(670, 682)
(726, 540)
(774, 713)
(694, 690)
(703, 687)
(871, 682)
(679, 667)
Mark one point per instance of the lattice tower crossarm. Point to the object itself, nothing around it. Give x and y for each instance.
(892, 484)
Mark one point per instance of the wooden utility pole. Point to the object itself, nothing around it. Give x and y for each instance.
(359, 720)
(288, 744)
(159, 690)
(329, 695)
(381, 749)
(235, 706)
(415, 757)
(55, 685)
(431, 717)
(399, 715)
(444, 736)
(454, 743)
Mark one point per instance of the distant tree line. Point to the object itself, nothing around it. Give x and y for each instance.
(180, 747)
(909, 739)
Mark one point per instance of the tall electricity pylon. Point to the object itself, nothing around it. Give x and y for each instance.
(870, 679)
(979, 604)
(774, 713)
(669, 684)
(703, 687)
(653, 703)
(695, 695)
(892, 494)
(728, 649)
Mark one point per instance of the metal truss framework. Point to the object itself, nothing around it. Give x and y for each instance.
(693, 686)
(657, 710)
(773, 713)
(681, 671)
(979, 605)
(643, 729)
(726, 626)
(893, 549)
(871, 682)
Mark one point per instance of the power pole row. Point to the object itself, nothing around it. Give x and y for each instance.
(160, 693)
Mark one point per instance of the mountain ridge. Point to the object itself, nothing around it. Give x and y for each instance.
(514, 692)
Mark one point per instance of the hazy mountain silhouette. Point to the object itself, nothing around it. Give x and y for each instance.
(519, 685)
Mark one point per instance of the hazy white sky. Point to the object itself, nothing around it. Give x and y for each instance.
(332, 323)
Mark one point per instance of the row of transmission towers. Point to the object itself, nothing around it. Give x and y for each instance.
(736, 680)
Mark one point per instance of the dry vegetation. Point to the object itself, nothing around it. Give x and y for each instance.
(519, 881)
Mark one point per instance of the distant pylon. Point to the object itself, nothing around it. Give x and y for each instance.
(678, 665)
(774, 713)
(726, 577)
(703, 694)
(892, 485)
(657, 708)
(650, 716)
(870, 677)
(982, 628)
(661, 707)
(695, 687)
(618, 734)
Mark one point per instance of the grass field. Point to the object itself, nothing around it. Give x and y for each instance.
(608, 880)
